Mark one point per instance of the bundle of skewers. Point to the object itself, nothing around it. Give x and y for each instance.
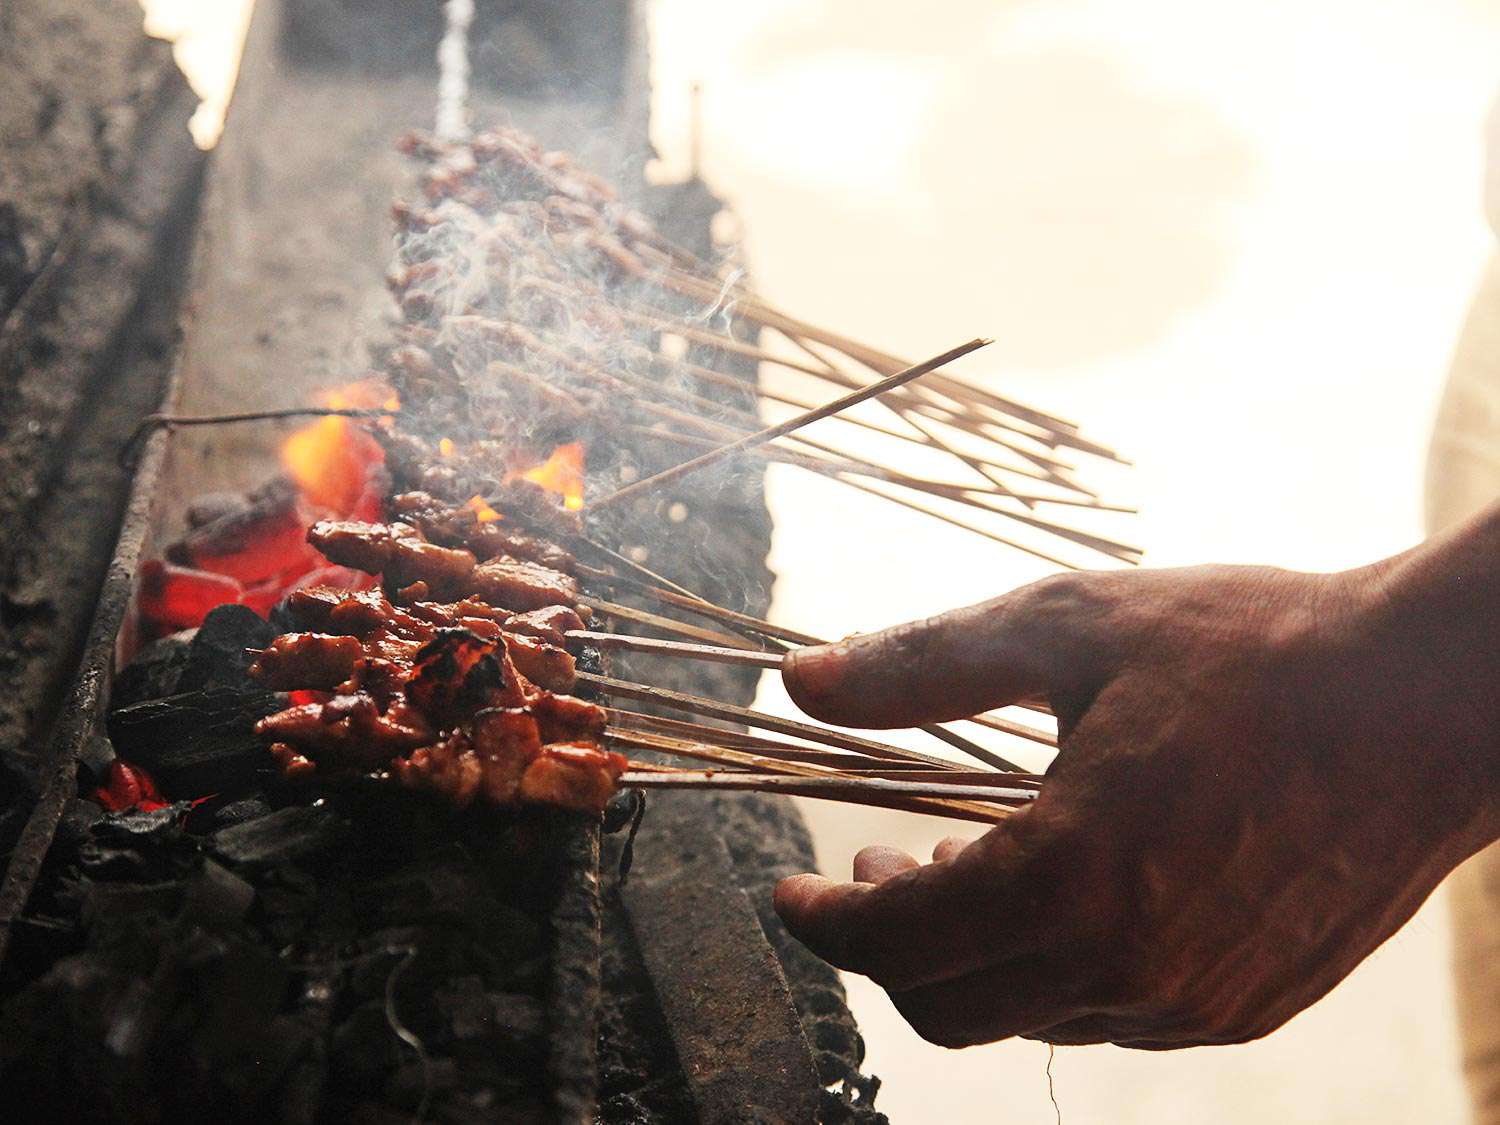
(545, 325)
(536, 305)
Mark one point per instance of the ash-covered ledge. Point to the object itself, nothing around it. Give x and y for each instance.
(98, 196)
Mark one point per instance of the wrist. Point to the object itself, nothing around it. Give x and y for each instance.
(1439, 605)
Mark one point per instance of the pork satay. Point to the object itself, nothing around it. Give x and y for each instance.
(545, 665)
(549, 623)
(489, 540)
(459, 525)
(578, 776)
(506, 741)
(566, 718)
(306, 660)
(457, 673)
(293, 765)
(449, 768)
(519, 585)
(364, 546)
(396, 551)
(348, 731)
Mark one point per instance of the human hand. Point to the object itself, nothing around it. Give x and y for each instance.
(1262, 775)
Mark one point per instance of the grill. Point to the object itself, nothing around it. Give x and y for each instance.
(357, 955)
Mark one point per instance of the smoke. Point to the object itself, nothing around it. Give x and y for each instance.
(453, 71)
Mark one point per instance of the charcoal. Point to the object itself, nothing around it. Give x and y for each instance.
(211, 506)
(411, 1082)
(222, 650)
(155, 671)
(225, 524)
(105, 903)
(364, 1047)
(95, 757)
(76, 824)
(219, 812)
(218, 894)
(447, 887)
(297, 834)
(196, 743)
(142, 847)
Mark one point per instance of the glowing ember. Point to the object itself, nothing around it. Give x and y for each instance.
(129, 787)
(561, 473)
(445, 447)
(256, 556)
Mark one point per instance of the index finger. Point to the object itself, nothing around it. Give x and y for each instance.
(1037, 640)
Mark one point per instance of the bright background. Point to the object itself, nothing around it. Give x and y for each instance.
(1235, 241)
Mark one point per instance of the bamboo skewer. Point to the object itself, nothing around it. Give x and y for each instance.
(934, 799)
(786, 427)
(838, 464)
(693, 604)
(713, 653)
(638, 722)
(722, 655)
(668, 625)
(679, 701)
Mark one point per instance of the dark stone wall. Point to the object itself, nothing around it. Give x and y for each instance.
(98, 186)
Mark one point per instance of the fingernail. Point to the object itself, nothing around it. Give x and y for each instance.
(814, 673)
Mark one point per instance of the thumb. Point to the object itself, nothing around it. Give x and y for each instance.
(1038, 640)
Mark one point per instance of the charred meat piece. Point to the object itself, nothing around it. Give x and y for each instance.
(445, 570)
(396, 551)
(457, 673)
(311, 605)
(347, 732)
(521, 586)
(460, 526)
(361, 614)
(578, 776)
(487, 760)
(566, 718)
(364, 546)
(306, 660)
(544, 664)
(449, 768)
(549, 623)
(506, 741)
(491, 539)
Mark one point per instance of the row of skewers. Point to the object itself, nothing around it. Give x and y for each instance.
(458, 677)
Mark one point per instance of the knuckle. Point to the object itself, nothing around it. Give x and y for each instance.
(1062, 593)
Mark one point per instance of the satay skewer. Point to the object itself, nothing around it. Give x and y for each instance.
(692, 603)
(782, 428)
(716, 654)
(639, 722)
(693, 704)
(734, 758)
(965, 803)
(720, 655)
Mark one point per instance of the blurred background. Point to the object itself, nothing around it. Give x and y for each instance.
(1236, 242)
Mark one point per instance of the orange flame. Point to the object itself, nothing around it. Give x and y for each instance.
(330, 459)
(485, 513)
(562, 473)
